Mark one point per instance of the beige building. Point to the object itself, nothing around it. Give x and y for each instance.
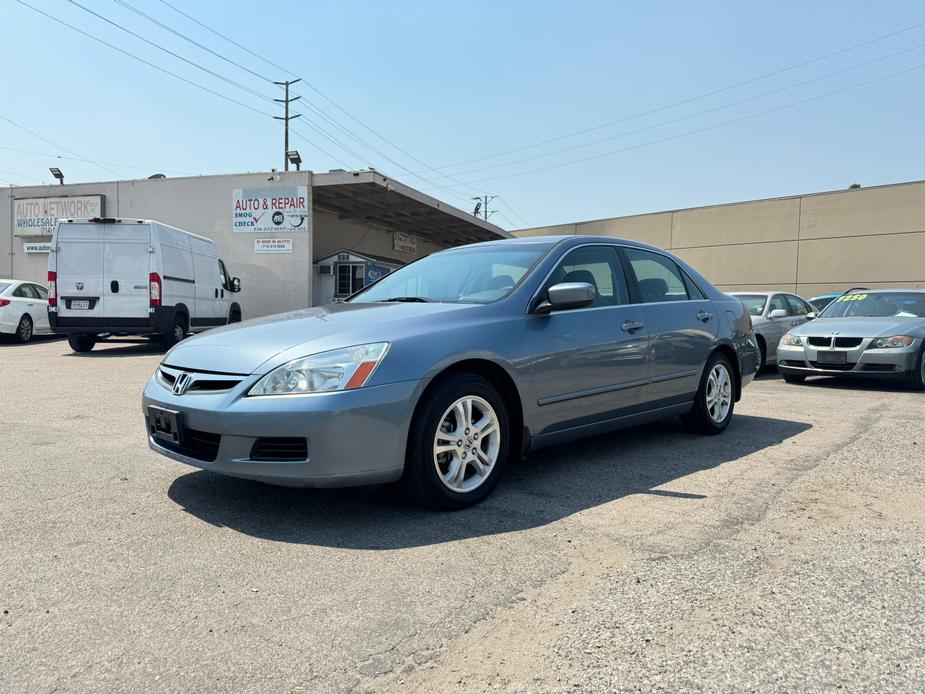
(809, 244)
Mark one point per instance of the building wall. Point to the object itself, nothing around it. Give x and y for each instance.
(271, 282)
(809, 244)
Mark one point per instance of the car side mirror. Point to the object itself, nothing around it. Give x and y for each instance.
(810, 315)
(777, 313)
(566, 295)
(235, 285)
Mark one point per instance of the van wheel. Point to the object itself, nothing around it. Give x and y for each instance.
(24, 330)
(458, 444)
(715, 399)
(81, 343)
(177, 331)
(234, 317)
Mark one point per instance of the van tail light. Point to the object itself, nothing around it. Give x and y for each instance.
(4, 302)
(154, 288)
(52, 288)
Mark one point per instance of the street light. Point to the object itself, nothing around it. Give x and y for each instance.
(56, 172)
(294, 158)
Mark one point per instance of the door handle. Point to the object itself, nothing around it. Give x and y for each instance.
(704, 316)
(216, 293)
(223, 293)
(631, 326)
(114, 286)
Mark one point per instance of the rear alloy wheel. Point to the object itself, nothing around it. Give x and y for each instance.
(24, 330)
(177, 331)
(715, 399)
(458, 443)
(81, 343)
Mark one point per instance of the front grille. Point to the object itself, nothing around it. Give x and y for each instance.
(167, 376)
(832, 367)
(214, 384)
(820, 341)
(847, 342)
(280, 449)
(201, 381)
(201, 445)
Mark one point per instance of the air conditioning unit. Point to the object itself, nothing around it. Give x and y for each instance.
(325, 270)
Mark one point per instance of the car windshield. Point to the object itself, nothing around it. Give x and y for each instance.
(754, 303)
(820, 302)
(478, 275)
(877, 305)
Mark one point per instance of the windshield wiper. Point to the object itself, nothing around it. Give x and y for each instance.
(409, 299)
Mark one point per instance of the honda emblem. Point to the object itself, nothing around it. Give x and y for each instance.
(182, 383)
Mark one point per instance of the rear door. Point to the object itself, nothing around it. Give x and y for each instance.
(208, 286)
(127, 259)
(40, 312)
(78, 261)
(682, 325)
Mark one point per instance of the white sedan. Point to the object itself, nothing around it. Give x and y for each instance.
(23, 309)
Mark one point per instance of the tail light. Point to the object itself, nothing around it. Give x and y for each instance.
(52, 288)
(4, 302)
(154, 288)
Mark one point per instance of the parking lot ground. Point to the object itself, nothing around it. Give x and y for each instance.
(786, 554)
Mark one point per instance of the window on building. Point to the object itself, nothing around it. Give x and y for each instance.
(349, 278)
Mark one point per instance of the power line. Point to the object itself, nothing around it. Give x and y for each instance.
(512, 210)
(123, 166)
(688, 100)
(19, 175)
(671, 121)
(706, 128)
(55, 144)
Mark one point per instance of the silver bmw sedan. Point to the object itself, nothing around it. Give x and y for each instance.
(443, 371)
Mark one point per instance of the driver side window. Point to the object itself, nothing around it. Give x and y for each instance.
(600, 267)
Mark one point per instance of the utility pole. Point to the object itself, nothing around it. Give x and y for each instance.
(287, 117)
(482, 206)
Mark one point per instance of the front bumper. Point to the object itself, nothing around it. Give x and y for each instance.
(859, 361)
(353, 437)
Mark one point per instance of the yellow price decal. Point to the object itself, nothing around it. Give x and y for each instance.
(852, 297)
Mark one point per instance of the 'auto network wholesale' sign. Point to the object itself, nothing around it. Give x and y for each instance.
(38, 216)
(271, 210)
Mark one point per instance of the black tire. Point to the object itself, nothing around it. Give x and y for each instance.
(699, 420)
(793, 378)
(177, 332)
(762, 354)
(917, 378)
(81, 343)
(421, 479)
(24, 330)
(234, 316)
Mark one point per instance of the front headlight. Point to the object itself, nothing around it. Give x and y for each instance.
(895, 342)
(339, 369)
(791, 340)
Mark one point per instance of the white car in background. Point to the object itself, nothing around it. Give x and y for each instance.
(23, 309)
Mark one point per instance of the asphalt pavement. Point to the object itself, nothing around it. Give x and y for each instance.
(787, 554)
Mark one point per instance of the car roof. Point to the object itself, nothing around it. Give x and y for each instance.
(761, 292)
(917, 290)
(566, 239)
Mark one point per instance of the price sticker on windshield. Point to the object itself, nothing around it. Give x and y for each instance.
(852, 297)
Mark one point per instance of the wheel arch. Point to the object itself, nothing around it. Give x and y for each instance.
(502, 380)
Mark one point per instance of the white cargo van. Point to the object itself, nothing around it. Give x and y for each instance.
(135, 277)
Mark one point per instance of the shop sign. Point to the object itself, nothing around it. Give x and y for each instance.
(272, 245)
(271, 210)
(38, 216)
(403, 243)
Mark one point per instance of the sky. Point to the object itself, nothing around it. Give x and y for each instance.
(567, 111)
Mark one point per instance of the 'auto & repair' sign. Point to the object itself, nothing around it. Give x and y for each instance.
(271, 210)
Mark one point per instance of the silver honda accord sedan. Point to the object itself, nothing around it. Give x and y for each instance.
(443, 371)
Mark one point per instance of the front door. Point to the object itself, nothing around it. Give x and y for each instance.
(681, 323)
(590, 363)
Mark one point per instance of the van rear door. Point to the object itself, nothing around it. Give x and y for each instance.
(78, 262)
(127, 263)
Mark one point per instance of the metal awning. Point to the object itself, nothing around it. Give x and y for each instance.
(370, 197)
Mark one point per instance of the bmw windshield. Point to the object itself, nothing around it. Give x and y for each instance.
(877, 305)
(476, 275)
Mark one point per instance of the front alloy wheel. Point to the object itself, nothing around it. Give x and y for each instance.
(458, 442)
(466, 445)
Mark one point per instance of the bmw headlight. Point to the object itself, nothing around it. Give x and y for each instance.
(894, 342)
(339, 369)
(791, 340)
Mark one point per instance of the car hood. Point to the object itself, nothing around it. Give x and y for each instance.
(243, 348)
(861, 327)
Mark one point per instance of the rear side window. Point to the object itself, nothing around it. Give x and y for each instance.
(25, 291)
(659, 277)
(600, 267)
(40, 291)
